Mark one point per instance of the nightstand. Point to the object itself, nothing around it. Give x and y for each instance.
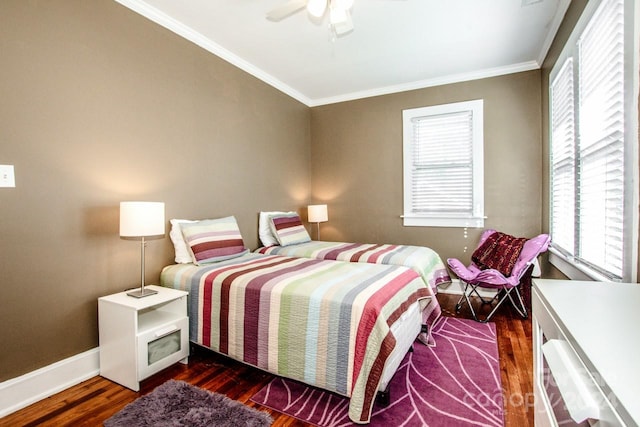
(141, 336)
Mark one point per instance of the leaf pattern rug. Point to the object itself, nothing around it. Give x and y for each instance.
(455, 383)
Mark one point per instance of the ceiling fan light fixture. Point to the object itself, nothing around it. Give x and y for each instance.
(316, 7)
(340, 22)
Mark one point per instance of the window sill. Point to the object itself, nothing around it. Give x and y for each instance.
(424, 221)
(573, 270)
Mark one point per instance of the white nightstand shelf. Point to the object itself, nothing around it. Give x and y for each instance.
(139, 337)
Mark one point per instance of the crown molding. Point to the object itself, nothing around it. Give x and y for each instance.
(453, 78)
(553, 27)
(195, 37)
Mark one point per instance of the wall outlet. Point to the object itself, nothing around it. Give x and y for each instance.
(7, 177)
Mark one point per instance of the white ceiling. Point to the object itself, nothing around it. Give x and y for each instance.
(396, 45)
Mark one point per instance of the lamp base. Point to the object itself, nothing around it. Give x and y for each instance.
(141, 293)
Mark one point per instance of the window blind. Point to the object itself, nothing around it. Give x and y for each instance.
(563, 159)
(601, 142)
(443, 164)
(587, 99)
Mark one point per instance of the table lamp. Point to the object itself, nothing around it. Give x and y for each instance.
(317, 214)
(140, 220)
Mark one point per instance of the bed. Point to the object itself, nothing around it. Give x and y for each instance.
(425, 261)
(343, 327)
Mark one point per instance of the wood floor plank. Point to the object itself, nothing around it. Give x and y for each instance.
(95, 400)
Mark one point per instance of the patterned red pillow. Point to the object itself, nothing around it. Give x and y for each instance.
(288, 229)
(213, 240)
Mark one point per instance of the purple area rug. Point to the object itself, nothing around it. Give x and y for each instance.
(177, 403)
(456, 383)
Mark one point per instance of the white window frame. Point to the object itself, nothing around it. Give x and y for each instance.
(445, 219)
(569, 264)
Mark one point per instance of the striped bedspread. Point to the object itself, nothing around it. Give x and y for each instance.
(420, 258)
(325, 323)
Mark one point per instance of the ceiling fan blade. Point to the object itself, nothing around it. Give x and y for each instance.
(286, 9)
(345, 26)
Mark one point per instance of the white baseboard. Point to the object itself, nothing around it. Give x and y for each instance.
(455, 289)
(29, 388)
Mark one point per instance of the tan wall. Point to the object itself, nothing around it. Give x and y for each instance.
(100, 105)
(356, 151)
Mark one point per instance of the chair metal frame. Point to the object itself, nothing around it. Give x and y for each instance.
(473, 277)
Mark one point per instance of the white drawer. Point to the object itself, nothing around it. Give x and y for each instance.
(162, 346)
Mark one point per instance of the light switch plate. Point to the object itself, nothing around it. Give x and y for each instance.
(7, 177)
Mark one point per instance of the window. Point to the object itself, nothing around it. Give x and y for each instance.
(593, 129)
(443, 165)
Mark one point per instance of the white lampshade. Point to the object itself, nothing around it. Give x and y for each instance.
(141, 219)
(317, 213)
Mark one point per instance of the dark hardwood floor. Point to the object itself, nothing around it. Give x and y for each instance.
(93, 401)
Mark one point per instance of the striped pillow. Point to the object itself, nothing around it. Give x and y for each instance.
(288, 229)
(213, 240)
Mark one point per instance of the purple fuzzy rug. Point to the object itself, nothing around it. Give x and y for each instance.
(177, 403)
(456, 383)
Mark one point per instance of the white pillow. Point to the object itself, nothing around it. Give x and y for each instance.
(264, 228)
(183, 256)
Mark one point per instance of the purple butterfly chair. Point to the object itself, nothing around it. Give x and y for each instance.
(473, 277)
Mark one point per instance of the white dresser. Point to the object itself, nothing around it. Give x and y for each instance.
(586, 361)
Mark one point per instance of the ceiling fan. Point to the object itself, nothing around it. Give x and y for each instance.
(339, 12)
